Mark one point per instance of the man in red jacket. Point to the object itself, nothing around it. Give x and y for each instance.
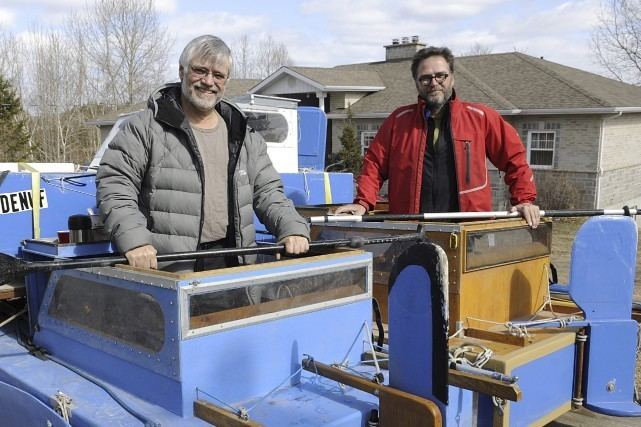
(433, 153)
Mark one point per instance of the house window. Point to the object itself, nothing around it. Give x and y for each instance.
(366, 139)
(541, 148)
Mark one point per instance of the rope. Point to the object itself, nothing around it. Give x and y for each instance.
(65, 188)
(242, 412)
(458, 355)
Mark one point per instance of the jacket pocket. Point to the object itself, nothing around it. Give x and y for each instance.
(471, 166)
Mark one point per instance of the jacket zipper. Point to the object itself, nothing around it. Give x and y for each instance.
(468, 151)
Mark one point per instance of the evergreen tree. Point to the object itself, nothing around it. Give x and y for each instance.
(14, 137)
(350, 152)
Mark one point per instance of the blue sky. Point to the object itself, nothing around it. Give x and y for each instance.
(332, 32)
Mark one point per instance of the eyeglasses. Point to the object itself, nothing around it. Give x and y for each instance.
(202, 72)
(426, 79)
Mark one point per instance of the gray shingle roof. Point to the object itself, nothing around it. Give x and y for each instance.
(336, 77)
(504, 81)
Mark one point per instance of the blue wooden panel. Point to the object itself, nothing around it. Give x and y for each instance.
(20, 409)
(610, 368)
(602, 267)
(240, 363)
(308, 188)
(539, 397)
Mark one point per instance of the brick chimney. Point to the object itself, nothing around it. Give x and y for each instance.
(403, 49)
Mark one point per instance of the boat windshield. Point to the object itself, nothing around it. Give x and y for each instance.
(252, 299)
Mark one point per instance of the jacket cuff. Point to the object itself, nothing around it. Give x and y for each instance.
(364, 204)
(132, 239)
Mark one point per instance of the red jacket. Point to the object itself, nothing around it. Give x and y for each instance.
(478, 131)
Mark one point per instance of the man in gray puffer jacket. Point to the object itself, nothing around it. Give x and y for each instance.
(188, 174)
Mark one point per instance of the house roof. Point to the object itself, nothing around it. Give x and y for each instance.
(327, 79)
(233, 88)
(513, 83)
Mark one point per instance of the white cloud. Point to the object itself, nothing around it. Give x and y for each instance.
(7, 18)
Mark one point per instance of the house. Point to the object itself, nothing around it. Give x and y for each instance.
(581, 130)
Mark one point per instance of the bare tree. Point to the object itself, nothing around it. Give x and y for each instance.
(10, 60)
(126, 48)
(243, 64)
(258, 62)
(478, 49)
(271, 55)
(617, 39)
(54, 95)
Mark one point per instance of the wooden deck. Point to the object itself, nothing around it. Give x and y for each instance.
(584, 418)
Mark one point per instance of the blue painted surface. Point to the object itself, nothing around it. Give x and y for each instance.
(410, 348)
(92, 406)
(315, 401)
(67, 194)
(541, 397)
(153, 376)
(460, 408)
(234, 365)
(20, 409)
(602, 268)
(610, 368)
(308, 188)
(312, 131)
(602, 271)
(242, 363)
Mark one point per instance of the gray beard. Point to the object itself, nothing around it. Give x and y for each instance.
(199, 104)
(434, 105)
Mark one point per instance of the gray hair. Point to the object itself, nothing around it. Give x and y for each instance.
(209, 48)
(432, 51)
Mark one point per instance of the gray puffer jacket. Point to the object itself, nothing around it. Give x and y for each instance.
(150, 187)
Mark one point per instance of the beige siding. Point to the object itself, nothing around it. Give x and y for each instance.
(621, 142)
(342, 100)
(577, 139)
(572, 181)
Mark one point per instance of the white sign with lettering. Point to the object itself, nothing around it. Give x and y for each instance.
(20, 201)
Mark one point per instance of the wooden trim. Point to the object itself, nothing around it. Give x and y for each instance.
(242, 268)
(11, 290)
(220, 417)
(397, 408)
(488, 386)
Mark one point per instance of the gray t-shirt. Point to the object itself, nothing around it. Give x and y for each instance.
(212, 144)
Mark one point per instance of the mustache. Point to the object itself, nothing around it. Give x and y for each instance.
(201, 85)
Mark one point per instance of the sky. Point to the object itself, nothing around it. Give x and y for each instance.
(324, 33)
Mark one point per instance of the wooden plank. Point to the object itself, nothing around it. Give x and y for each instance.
(485, 385)
(398, 408)
(583, 417)
(220, 417)
(468, 381)
(11, 290)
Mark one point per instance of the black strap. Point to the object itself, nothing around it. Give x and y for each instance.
(555, 277)
(626, 211)
(379, 323)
